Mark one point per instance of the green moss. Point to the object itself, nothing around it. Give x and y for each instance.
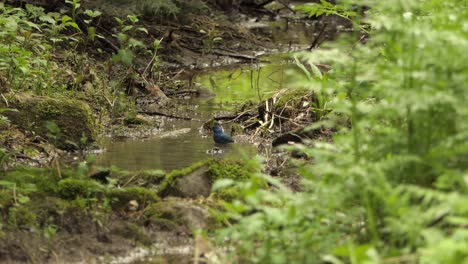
(6, 199)
(133, 232)
(162, 224)
(145, 178)
(73, 118)
(291, 95)
(21, 217)
(152, 176)
(121, 196)
(73, 188)
(171, 178)
(51, 209)
(163, 210)
(33, 180)
(228, 169)
(215, 170)
(134, 120)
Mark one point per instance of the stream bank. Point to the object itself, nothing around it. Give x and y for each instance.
(89, 213)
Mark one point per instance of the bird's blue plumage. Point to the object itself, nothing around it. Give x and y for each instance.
(220, 137)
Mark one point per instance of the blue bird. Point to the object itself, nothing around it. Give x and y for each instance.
(220, 137)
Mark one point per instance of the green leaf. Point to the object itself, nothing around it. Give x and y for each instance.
(316, 71)
(133, 18)
(302, 67)
(142, 29)
(222, 184)
(92, 13)
(23, 199)
(48, 19)
(65, 19)
(127, 28)
(73, 25)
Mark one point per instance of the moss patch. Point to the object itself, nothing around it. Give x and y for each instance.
(167, 185)
(74, 125)
(132, 232)
(73, 188)
(174, 212)
(120, 197)
(21, 217)
(197, 179)
(228, 169)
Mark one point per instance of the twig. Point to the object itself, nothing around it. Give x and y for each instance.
(287, 6)
(234, 117)
(163, 114)
(6, 101)
(130, 180)
(187, 91)
(234, 55)
(315, 43)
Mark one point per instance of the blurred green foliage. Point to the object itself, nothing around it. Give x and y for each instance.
(392, 187)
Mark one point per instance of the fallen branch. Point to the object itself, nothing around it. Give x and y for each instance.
(187, 91)
(235, 55)
(155, 113)
(234, 117)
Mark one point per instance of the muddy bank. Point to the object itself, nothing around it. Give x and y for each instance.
(84, 213)
(77, 216)
(146, 90)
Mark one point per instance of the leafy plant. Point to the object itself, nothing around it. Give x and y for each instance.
(392, 187)
(211, 37)
(327, 8)
(128, 44)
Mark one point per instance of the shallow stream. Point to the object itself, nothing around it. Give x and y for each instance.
(182, 142)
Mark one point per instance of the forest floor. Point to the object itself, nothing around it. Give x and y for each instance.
(70, 229)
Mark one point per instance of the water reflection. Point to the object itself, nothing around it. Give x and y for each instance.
(255, 83)
(168, 152)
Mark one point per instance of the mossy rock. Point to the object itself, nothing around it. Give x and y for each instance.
(145, 178)
(178, 182)
(44, 179)
(71, 188)
(133, 232)
(228, 169)
(74, 125)
(197, 180)
(183, 213)
(120, 197)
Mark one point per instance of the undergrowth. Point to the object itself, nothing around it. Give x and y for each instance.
(392, 187)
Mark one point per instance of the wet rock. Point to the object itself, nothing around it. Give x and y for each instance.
(192, 185)
(67, 123)
(184, 213)
(197, 180)
(296, 136)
